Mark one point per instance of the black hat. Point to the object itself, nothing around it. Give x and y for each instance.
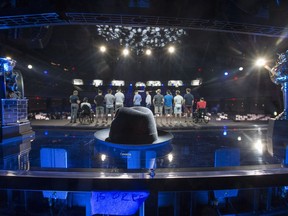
(133, 126)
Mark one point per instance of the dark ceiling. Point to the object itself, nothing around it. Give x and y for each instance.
(221, 35)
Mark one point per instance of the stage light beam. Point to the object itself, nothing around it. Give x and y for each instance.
(148, 52)
(171, 49)
(102, 49)
(125, 52)
(260, 62)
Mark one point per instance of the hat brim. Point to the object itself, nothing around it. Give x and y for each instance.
(163, 138)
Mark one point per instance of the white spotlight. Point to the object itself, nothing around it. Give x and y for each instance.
(241, 68)
(148, 52)
(171, 49)
(260, 62)
(259, 146)
(170, 157)
(29, 66)
(125, 52)
(102, 49)
(103, 157)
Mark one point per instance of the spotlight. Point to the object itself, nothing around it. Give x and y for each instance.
(259, 146)
(170, 157)
(30, 67)
(103, 157)
(226, 73)
(241, 68)
(102, 49)
(171, 49)
(148, 52)
(125, 52)
(260, 62)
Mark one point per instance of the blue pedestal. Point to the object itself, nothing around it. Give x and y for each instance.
(277, 137)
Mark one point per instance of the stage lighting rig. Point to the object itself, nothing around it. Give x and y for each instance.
(118, 83)
(97, 83)
(153, 83)
(140, 84)
(175, 83)
(78, 82)
(139, 39)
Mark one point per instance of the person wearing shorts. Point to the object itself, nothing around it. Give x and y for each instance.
(178, 101)
(119, 99)
(99, 110)
(109, 101)
(168, 106)
(158, 101)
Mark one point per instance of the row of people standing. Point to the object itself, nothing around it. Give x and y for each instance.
(167, 104)
(108, 101)
(170, 105)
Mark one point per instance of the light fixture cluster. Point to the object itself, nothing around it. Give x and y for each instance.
(140, 39)
(150, 83)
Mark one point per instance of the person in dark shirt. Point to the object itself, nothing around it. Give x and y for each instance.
(158, 101)
(99, 110)
(188, 104)
(74, 100)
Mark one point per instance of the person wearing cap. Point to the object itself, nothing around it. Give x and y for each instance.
(74, 100)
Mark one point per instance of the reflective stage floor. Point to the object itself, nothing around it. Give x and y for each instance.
(214, 168)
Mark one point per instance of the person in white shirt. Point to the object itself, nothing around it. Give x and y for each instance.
(119, 99)
(148, 99)
(178, 101)
(85, 103)
(85, 107)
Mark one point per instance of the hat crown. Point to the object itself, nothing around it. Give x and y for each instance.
(134, 125)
